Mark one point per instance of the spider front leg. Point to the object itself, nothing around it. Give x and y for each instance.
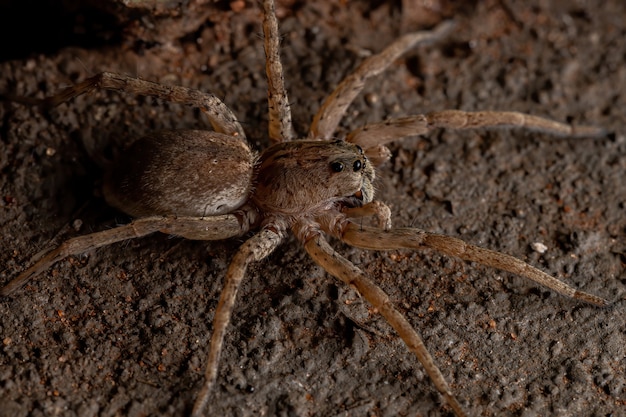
(322, 253)
(209, 228)
(220, 116)
(372, 137)
(409, 238)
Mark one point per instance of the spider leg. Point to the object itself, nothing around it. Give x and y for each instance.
(220, 116)
(371, 137)
(332, 110)
(319, 249)
(209, 228)
(254, 249)
(280, 127)
(409, 238)
(377, 209)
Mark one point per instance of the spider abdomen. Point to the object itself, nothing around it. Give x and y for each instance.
(182, 173)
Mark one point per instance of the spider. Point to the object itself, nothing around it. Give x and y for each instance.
(211, 185)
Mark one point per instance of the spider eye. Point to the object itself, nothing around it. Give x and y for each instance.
(357, 166)
(360, 149)
(336, 166)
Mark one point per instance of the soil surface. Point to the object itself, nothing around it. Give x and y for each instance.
(123, 330)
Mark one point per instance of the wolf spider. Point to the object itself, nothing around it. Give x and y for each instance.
(312, 187)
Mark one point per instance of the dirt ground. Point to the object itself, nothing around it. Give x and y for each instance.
(123, 331)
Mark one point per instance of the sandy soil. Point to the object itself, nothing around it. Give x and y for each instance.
(124, 330)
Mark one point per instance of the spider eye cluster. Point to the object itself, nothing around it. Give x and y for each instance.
(339, 166)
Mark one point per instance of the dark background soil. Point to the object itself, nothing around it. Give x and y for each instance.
(124, 330)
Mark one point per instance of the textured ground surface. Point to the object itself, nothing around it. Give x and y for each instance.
(124, 330)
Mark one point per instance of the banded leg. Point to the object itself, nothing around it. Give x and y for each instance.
(334, 107)
(209, 228)
(254, 249)
(407, 238)
(280, 127)
(376, 209)
(372, 136)
(220, 116)
(344, 270)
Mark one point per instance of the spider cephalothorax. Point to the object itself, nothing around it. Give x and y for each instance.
(300, 177)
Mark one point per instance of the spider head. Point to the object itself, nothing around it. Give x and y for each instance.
(302, 178)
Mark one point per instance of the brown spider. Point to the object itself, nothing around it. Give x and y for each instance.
(313, 187)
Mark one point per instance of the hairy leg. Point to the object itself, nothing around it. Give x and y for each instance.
(343, 269)
(209, 228)
(254, 249)
(334, 107)
(372, 137)
(380, 211)
(409, 238)
(220, 116)
(280, 128)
